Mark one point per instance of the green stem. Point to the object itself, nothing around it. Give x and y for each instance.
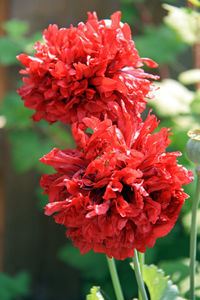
(139, 277)
(193, 236)
(141, 262)
(115, 278)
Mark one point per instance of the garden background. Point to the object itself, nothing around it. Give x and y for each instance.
(36, 260)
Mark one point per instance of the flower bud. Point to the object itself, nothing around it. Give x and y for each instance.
(193, 146)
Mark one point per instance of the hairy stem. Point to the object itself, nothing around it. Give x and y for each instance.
(115, 278)
(141, 262)
(142, 291)
(193, 236)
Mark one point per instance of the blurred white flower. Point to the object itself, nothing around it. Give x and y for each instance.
(172, 98)
(2, 121)
(184, 22)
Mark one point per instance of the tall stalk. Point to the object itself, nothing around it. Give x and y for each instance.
(115, 278)
(193, 236)
(140, 282)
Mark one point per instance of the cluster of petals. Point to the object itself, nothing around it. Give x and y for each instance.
(85, 71)
(118, 190)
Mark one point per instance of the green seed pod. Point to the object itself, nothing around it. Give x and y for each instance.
(193, 146)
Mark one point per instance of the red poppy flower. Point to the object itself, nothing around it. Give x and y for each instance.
(116, 192)
(85, 71)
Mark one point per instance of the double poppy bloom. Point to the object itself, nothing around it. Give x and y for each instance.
(85, 71)
(118, 190)
(115, 192)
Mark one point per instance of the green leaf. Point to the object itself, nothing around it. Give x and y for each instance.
(159, 285)
(8, 51)
(190, 76)
(185, 22)
(27, 148)
(16, 28)
(160, 44)
(12, 108)
(95, 294)
(13, 287)
(30, 42)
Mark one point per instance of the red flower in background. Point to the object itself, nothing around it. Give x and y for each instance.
(85, 71)
(116, 191)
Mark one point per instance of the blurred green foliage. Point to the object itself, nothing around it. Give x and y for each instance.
(12, 288)
(176, 105)
(16, 41)
(164, 44)
(179, 273)
(30, 141)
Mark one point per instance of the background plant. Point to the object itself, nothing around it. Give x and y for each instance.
(176, 103)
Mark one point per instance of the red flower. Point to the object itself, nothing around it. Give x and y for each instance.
(85, 71)
(116, 192)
